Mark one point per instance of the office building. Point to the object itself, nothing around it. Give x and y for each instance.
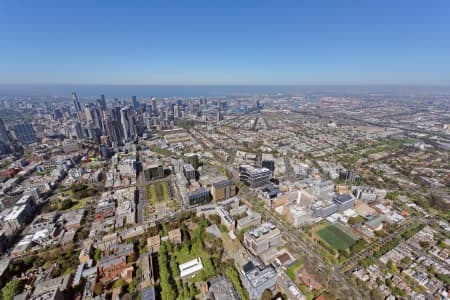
(153, 171)
(4, 138)
(252, 219)
(110, 267)
(113, 129)
(261, 238)
(225, 218)
(128, 124)
(344, 202)
(78, 131)
(102, 102)
(256, 279)
(134, 102)
(19, 215)
(200, 196)
(223, 190)
(366, 194)
(348, 175)
(76, 102)
(51, 288)
(154, 106)
(88, 114)
(189, 172)
(221, 288)
(25, 133)
(254, 177)
(268, 164)
(338, 203)
(219, 116)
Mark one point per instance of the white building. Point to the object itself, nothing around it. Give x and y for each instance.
(191, 267)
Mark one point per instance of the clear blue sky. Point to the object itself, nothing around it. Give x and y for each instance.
(225, 42)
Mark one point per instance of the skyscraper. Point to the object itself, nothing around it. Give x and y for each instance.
(177, 112)
(219, 116)
(25, 133)
(154, 106)
(3, 133)
(128, 125)
(113, 126)
(97, 118)
(102, 102)
(78, 131)
(76, 102)
(88, 114)
(134, 102)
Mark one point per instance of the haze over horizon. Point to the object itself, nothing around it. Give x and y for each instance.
(170, 91)
(200, 43)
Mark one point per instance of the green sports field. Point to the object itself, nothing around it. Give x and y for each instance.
(335, 237)
(158, 192)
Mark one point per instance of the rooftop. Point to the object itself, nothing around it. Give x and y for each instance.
(261, 230)
(188, 168)
(257, 276)
(190, 267)
(254, 171)
(223, 183)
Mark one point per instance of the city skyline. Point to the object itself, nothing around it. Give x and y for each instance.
(225, 44)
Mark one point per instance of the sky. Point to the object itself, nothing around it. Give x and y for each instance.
(225, 42)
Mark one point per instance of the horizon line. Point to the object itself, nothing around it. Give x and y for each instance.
(231, 84)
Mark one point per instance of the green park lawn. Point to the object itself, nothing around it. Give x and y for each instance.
(335, 237)
(158, 192)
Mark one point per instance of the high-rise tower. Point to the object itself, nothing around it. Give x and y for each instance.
(4, 138)
(128, 124)
(76, 102)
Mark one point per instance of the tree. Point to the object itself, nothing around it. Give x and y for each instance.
(406, 261)
(344, 253)
(118, 283)
(152, 231)
(355, 220)
(444, 278)
(98, 288)
(388, 282)
(424, 244)
(232, 274)
(28, 260)
(97, 254)
(132, 286)
(167, 291)
(391, 266)
(266, 295)
(131, 258)
(11, 289)
(431, 270)
(375, 294)
(392, 195)
(66, 204)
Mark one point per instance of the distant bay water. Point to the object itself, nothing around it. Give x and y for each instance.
(169, 91)
(159, 91)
